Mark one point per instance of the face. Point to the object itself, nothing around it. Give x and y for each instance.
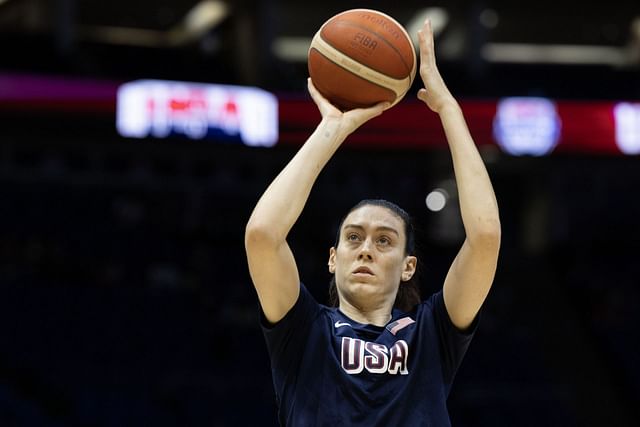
(370, 262)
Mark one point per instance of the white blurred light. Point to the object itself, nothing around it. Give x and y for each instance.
(159, 108)
(437, 200)
(553, 54)
(527, 126)
(202, 18)
(627, 120)
(291, 48)
(205, 15)
(439, 19)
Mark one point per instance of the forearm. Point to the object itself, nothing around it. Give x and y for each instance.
(478, 205)
(281, 204)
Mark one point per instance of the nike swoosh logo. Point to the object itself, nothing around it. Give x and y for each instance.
(339, 323)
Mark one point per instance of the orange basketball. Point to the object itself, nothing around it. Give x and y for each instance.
(361, 57)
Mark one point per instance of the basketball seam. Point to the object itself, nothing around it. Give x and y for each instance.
(325, 49)
(355, 75)
(348, 23)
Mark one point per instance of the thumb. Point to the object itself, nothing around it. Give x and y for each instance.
(381, 107)
(422, 95)
(374, 111)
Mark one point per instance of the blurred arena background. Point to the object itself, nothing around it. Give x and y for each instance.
(124, 294)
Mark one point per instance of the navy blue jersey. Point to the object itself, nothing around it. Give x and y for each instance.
(329, 370)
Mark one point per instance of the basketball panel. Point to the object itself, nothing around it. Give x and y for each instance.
(343, 88)
(367, 48)
(384, 27)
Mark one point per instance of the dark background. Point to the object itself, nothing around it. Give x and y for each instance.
(124, 294)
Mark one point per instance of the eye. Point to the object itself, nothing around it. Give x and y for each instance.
(353, 237)
(384, 241)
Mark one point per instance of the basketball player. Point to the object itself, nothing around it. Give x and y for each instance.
(366, 362)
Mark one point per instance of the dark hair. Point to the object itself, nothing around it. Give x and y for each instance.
(408, 295)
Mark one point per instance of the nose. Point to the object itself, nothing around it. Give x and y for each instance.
(366, 250)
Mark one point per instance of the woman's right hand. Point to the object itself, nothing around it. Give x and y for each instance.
(347, 121)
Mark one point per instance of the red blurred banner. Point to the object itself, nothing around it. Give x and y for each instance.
(583, 127)
(520, 126)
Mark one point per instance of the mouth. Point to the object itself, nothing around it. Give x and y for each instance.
(363, 270)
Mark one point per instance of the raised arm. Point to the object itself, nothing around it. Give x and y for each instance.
(271, 263)
(472, 271)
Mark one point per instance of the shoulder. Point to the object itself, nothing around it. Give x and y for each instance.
(435, 308)
(303, 311)
(434, 302)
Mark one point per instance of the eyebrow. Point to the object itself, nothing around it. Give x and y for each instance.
(380, 228)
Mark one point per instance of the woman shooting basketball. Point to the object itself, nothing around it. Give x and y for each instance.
(366, 362)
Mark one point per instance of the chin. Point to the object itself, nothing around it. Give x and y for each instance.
(362, 288)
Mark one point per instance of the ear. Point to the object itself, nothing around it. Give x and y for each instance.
(332, 260)
(410, 263)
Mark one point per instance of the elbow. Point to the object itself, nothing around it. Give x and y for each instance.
(259, 234)
(487, 234)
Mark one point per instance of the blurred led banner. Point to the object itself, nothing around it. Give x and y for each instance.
(518, 126)
(526, 126)
(627, 118)
(161, 109)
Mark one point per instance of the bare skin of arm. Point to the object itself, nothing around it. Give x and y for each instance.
(271, 263)
(471, 274)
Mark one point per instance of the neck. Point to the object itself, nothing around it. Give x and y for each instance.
(378, 316)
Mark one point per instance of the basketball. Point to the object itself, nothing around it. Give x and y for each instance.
(361, 57)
